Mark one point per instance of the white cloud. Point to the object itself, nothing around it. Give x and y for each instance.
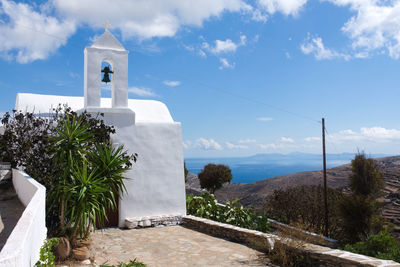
(280, 144)
(375, 26)
(258, 15)
(316, 47)
(188, 47)
(187, 144)
(225, 64)
(73, 75)
(147, 19)
(230, 145)
(265, 119)
(141, 91)
(22, 38)
(172, 83)
(223, 47)
(312, 139)
(49, 25)
(207, 144)
(268, 146)
(287, 7)
(286, 140)
(370, 134)
(202, 53)
(247, 141)
(380, 134)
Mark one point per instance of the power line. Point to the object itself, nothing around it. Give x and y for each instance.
(224, 91)
(333, 145)
(213, 88)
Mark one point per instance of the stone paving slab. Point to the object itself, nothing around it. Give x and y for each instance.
(171, 246)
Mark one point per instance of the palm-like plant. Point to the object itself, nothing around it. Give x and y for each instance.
(91, 178)
(95, 187)
(87, 194)
(72, 141)
(111, 163)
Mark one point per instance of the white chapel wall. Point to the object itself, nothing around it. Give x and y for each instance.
(157, 184)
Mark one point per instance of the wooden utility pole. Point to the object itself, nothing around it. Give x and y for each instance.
(325, 187)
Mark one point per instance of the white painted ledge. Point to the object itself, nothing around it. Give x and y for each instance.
(23, 245)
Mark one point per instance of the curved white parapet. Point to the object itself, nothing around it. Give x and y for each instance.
(23, 245)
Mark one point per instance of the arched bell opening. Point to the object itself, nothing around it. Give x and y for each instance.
(107, 75)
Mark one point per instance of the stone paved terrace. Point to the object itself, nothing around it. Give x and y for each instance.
(175, 246)
(11, 210)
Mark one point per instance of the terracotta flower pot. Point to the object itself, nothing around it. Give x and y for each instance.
(81, 253)
(63, 249)
(82, 243)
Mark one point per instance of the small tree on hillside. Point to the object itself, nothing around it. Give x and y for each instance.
(366, 179)
(213, 176)
(359, 211)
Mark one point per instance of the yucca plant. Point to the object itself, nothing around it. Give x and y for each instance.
(92, 173)
(86, 198)
(111, 162)
(73, 140)
(95, 185)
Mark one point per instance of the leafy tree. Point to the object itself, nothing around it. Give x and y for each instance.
(366, 179)
(302, 206)
(213, 176)
(72, 156)
(359, 210)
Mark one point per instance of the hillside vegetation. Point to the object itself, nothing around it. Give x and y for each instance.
(254, 194)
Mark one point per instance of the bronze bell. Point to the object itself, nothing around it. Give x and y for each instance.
(106, 76)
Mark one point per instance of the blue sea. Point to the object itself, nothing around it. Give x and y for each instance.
(263, 166)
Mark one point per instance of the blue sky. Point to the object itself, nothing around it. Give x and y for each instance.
(243, 77)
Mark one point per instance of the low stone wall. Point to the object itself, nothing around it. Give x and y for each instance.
(298, 233)
(23, 245)
(153, 221)
(323, 256)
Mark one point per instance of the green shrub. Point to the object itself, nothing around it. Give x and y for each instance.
(302, 206)
(382, 246)
(47, 258)
(206, 206)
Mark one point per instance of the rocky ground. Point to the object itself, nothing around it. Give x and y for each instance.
(255, 193)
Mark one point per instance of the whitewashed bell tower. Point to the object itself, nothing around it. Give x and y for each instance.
(155, 188)
(106, 49)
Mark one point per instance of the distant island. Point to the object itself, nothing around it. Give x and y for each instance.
(262, 166)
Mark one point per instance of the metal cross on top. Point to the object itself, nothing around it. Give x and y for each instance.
(106, 25)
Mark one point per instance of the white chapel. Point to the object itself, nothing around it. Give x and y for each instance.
(156, 186)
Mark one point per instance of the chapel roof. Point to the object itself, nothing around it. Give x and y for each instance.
(147, 111)
(108, 41)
